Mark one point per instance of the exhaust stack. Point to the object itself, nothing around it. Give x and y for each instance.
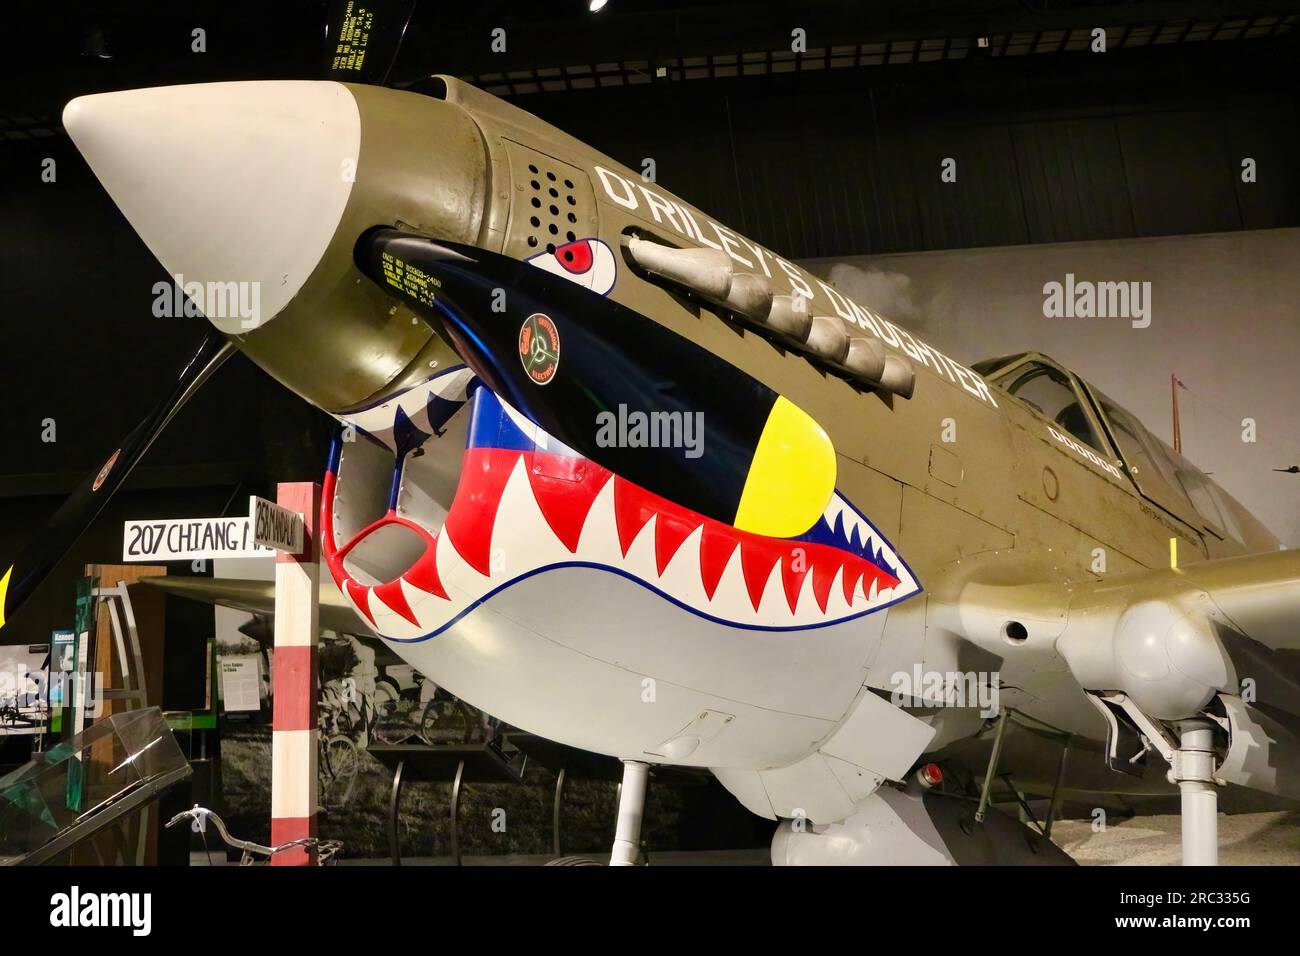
(710, 274)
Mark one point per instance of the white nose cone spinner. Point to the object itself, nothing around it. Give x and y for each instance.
(240, 183)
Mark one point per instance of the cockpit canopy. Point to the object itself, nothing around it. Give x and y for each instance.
(1159, 473)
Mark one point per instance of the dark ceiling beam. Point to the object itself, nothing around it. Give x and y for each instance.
(149, 39)
(672, 33)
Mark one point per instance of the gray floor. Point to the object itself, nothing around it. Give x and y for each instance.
(1256, 839)
(757, 857)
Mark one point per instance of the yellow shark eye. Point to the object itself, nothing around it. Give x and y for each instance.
(791, 476)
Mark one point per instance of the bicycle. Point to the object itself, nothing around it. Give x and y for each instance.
(401, 712)
(448, 719)
(326, 850)
(339, 757)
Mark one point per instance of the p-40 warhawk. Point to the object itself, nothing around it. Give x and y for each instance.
(626, 479)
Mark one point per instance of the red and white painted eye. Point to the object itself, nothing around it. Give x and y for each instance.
(588, 262)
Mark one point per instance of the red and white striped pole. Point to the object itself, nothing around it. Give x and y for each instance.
(293, 728)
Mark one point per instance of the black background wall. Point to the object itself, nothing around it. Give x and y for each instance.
(1048, 149)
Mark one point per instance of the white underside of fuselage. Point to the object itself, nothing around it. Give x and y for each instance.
(595, 661)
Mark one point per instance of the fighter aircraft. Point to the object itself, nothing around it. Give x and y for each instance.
(623, 477)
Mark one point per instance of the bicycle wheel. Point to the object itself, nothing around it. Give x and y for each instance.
(447, 721)
(340, 764)
(388, 727)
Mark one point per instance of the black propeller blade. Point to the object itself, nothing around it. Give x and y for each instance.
(84, 505)
(363, 38)
(574, 362)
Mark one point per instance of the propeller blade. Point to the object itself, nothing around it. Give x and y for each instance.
(85, 503)
(582, 366)
(363, 38)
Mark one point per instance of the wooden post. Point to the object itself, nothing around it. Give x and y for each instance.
(294, 735)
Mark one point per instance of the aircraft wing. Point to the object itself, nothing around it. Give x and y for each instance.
(1218, 640)
(1247, 609)
(258, 597)
(1258, 593)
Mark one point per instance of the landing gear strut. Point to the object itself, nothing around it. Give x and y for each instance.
(631, 808)
(1193, 771)
(1191, 757)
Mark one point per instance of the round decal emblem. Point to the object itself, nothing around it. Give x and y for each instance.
(103, 472)
(539, 348)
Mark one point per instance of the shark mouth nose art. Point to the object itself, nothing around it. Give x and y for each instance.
(432, 546)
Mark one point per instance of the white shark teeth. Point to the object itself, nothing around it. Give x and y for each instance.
(522, 539)
(598, 541)
(683, 577)
(522, 542)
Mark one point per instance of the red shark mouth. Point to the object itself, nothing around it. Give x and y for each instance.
(525, 504)
(566, 489)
